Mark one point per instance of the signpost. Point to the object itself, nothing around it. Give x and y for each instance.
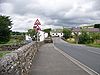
(37, 28)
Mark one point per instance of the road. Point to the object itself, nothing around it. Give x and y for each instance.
(89, 56)
(49, 61)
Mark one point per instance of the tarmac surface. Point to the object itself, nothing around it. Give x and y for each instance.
(89, 56)
(49, 61)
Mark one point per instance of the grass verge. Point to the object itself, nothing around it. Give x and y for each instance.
(72, 41)
(94, 45)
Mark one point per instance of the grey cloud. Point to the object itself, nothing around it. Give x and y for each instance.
(75, 16)
(1, 1)
(96, 5)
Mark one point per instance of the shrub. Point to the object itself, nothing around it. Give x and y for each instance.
(85, 38)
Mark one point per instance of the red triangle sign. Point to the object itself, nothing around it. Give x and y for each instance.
(38, 28)
(37, 22)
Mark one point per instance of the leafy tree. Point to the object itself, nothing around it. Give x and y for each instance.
(5, 26)
(97, 26)
(32, 33)
(47, 31)
(95, 36)
(85, 38)
(67, 33)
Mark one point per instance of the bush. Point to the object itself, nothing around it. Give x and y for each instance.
(67, 33)
(97, 26)
(85, 38)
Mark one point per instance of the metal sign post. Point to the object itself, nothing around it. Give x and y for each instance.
(37, 28)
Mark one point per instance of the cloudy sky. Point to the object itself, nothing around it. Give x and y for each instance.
(51, 13)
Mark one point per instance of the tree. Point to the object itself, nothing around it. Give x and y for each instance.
(47, 31)
(85, 38)
(5, 26)
(32, 33)
(95, 36)
(67, 33)
(97, 26)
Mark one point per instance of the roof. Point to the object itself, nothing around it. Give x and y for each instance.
(86, 29)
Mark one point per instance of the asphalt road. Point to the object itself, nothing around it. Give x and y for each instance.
(49, 61)
(89, 56)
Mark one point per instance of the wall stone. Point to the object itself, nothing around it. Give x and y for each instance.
(18, 62)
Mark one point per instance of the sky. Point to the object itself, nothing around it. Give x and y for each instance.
(51, 13)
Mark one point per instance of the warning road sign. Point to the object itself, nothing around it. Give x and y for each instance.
(36, 25)
(37, 22)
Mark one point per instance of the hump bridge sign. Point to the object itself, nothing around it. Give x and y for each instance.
(37, 22)
(36, 25)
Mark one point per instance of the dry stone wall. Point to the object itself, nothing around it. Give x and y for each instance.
(18, 62)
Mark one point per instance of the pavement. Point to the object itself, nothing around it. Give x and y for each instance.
(50, 61)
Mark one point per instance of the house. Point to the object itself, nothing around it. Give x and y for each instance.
(86, 26)
(41, 36)
(56, 33)
(28, 38)
(86, 29)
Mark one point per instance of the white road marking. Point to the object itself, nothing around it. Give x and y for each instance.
(81, 46)
(93, 52)
(84, 67)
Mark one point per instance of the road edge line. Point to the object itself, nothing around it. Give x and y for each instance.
(84, 67)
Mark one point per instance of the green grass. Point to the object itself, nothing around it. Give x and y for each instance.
(12, 42)
(72, 41)
(94, 45)
(2, 53)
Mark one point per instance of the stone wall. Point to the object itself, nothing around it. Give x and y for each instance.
(18, 62)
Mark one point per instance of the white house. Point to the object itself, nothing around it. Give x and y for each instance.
(28, 38)
(41, 36)
(56, 34)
